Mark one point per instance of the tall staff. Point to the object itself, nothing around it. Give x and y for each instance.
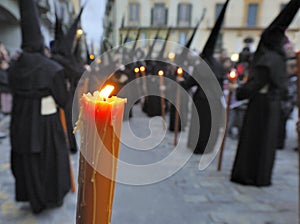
(298, 103)
(162, 96)
(176, 128)
(137, 76)
(232, 79)
(64, 125)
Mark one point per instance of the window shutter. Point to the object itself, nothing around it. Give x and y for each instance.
(152, 19)
(166, 16)
(190, 14)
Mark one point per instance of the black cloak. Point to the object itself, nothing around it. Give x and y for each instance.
(39, 155)
(267, 80)
(199, 97)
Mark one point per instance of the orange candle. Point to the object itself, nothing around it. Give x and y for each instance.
(100, 124)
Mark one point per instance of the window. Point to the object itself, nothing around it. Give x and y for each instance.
(159, 14)
(184, 14)
(182, 38)
(252, 14)
(134, 13)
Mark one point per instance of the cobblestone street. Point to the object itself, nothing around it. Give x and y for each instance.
(188, 197)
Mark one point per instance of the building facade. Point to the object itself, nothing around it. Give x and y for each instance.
(244, 19)
(10, 33)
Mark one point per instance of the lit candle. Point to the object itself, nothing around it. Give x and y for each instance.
(137, 75)
(100, 123)
(162, 96)
(232, 76)
(143, 72)
(176, 128)
(171, 56)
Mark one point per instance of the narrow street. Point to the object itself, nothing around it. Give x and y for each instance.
(190, 196)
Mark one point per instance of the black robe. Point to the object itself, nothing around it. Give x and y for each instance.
(257, 143)
(72, 72)
(39, 154)
(202, 109)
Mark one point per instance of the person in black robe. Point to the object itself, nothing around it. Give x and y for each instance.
(199, 97)
(39, 154)
(257, 143)
(62, 52)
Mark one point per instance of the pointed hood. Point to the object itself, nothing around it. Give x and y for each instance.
(58, 28)
(153, 44)
(274, 35)
(209, 47)
(189, 43)
(162, 50)
(66, 44)
(32, 38)
(58, 35)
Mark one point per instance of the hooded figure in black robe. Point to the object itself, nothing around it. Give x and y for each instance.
(39, 154)
(257, 144)
(62, 52)
(199, 97)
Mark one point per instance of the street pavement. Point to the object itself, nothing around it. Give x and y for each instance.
(190, 196)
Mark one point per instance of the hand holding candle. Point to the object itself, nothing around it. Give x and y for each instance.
(100, 124)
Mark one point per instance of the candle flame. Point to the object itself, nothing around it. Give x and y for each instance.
(136, 70)
(106, 91)
(92, 57)
(79, 33)
(161, 73)
(143, 68)
(171, 55)
(179, 71)
(232, 75)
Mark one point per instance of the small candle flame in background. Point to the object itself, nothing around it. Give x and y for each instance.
(99, 61)
(106, 91)
(161, 73)
(143, 68)
(92, 57)
(179, 71)
(136, 70)
(171, 56)
(79, 33)
(232, 75)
